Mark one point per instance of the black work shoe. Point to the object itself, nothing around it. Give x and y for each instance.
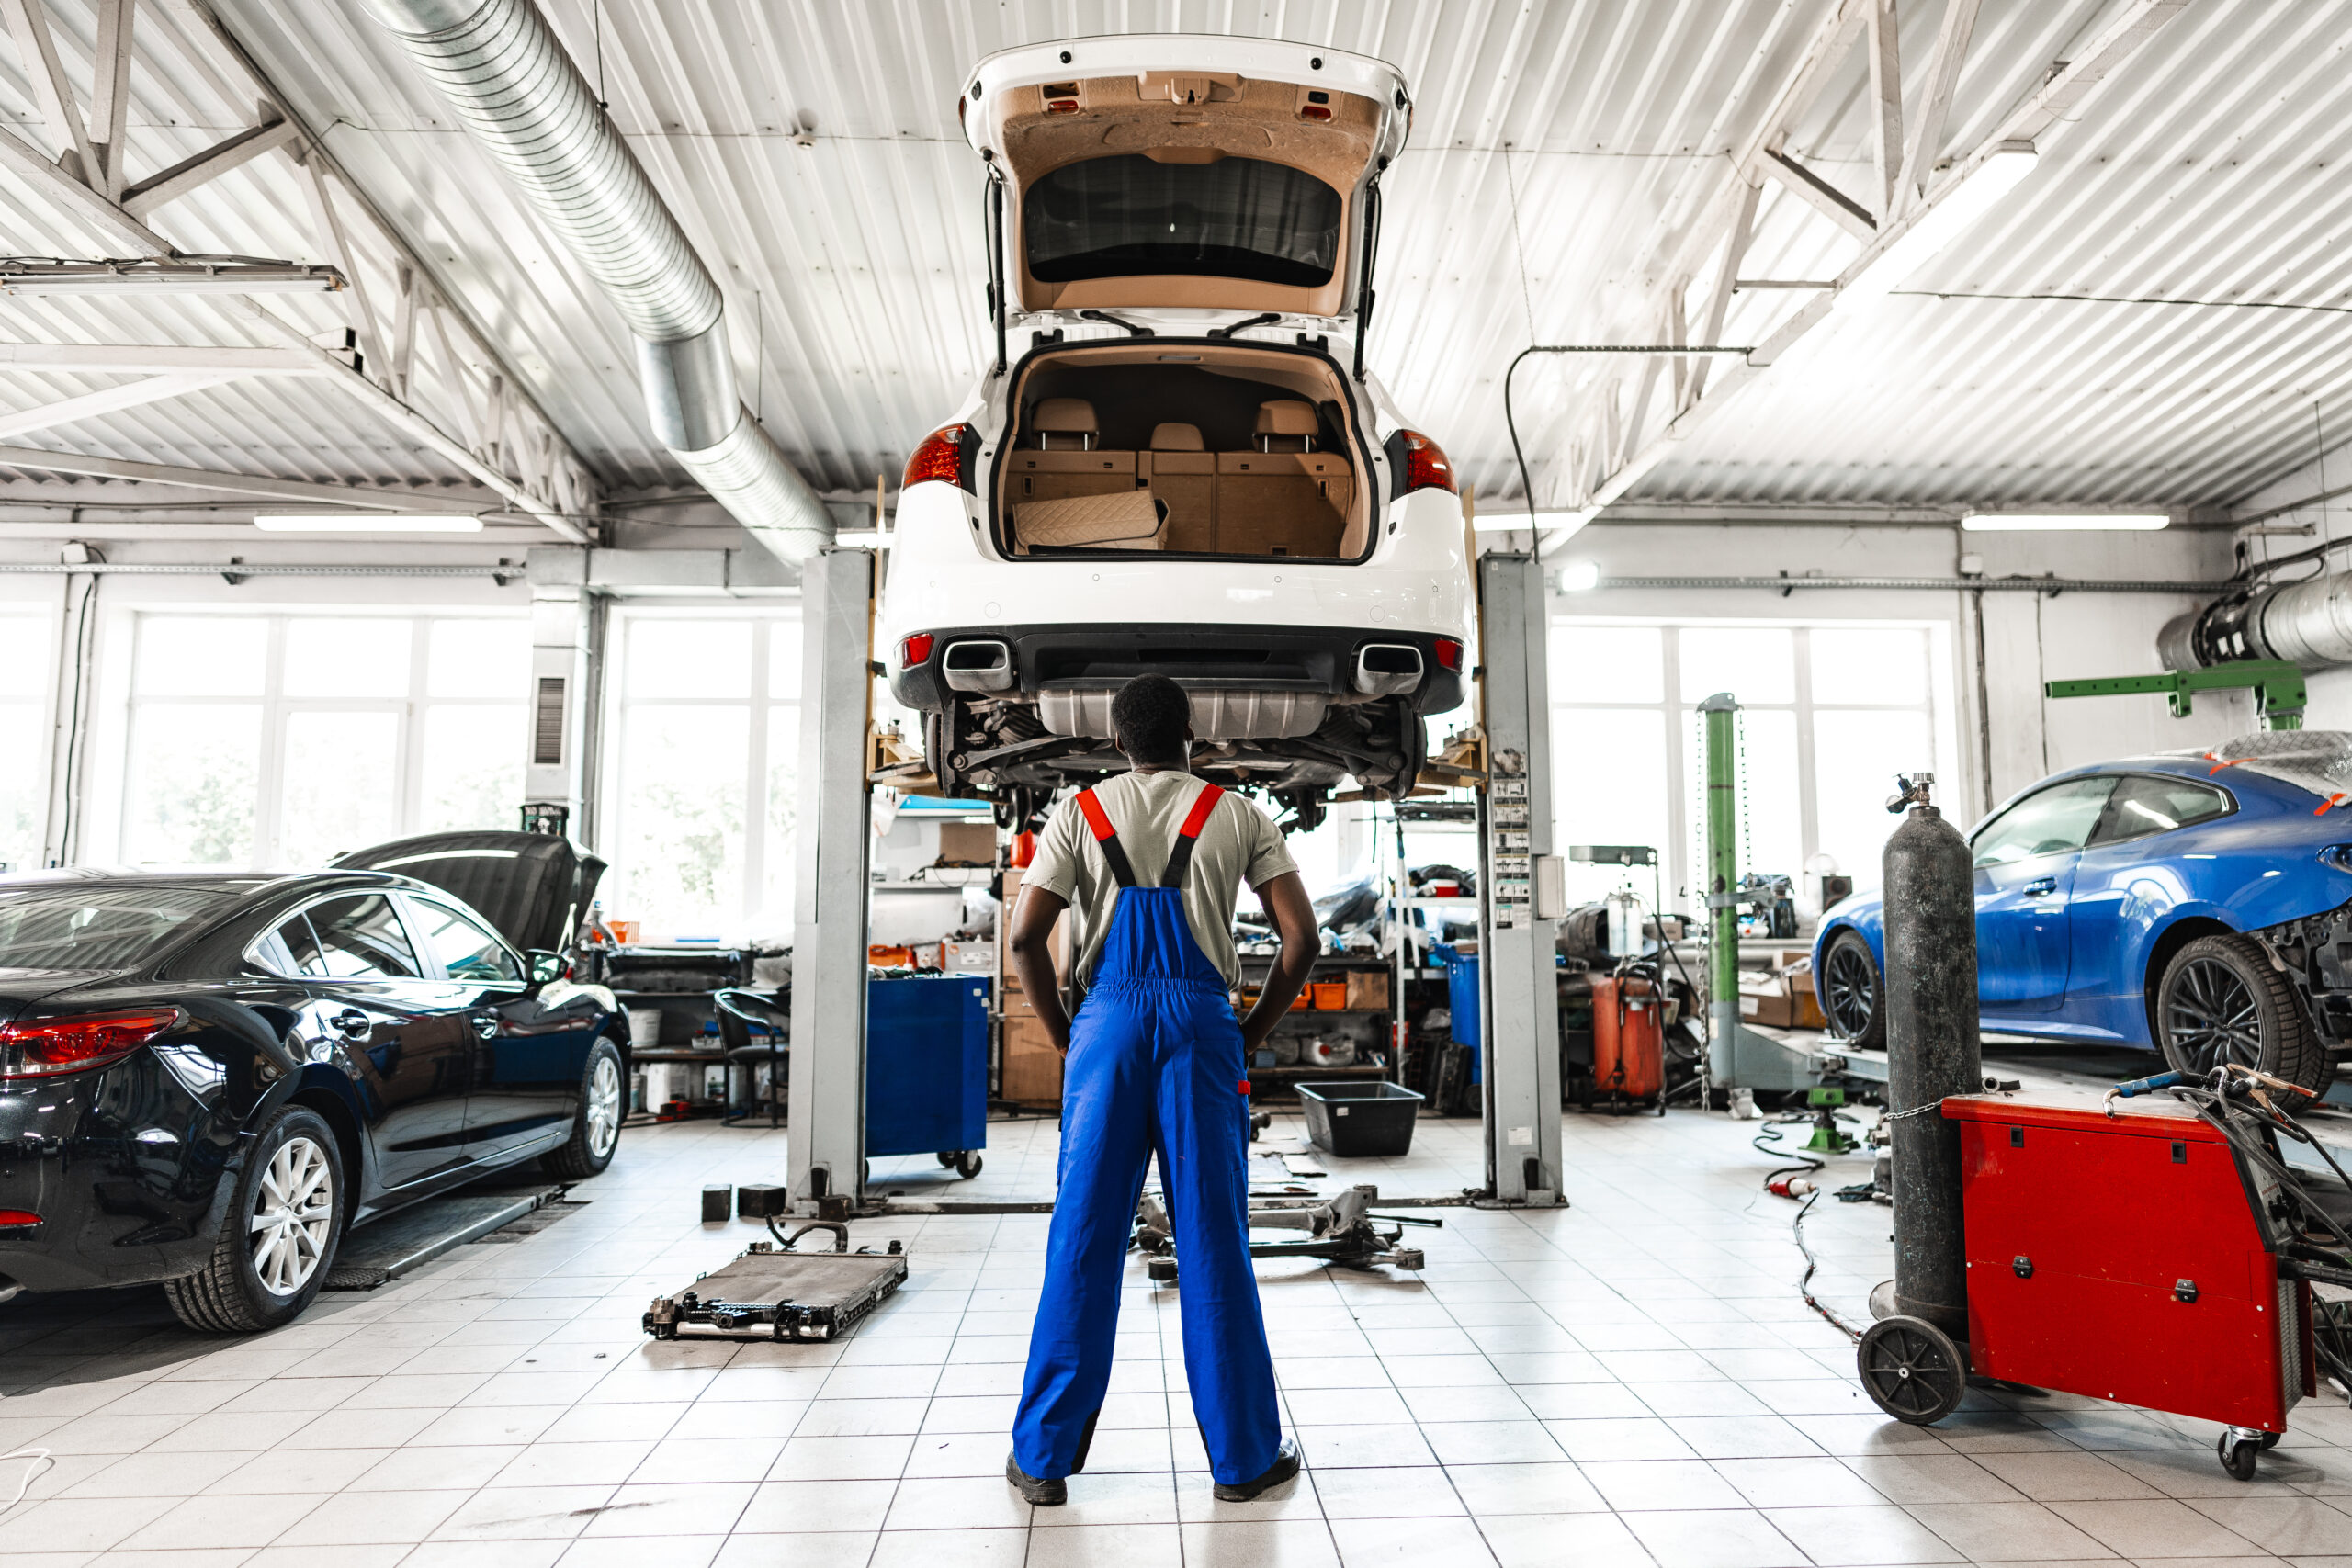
(1286, 1467)
(1047, 1494)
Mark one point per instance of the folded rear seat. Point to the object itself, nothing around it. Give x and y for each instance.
(1178, 471)
(1284, 499)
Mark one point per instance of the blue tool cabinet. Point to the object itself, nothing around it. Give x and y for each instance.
(926, 1065)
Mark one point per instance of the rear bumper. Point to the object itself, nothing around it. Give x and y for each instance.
(123, 1166)
(1316, 660)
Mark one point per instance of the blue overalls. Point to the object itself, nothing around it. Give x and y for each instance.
(1154, 1065)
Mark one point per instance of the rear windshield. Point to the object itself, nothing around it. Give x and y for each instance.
(1240, 217)
(96, 928)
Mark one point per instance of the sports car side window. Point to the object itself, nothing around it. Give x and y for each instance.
(2047, 822)
(358, 938)
(2144, 803)
(466, 952)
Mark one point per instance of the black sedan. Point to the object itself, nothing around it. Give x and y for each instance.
(205, 1079)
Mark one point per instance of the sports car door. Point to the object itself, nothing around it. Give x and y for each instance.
(2025, 874)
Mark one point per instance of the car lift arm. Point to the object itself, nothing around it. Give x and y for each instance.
(2277, 688)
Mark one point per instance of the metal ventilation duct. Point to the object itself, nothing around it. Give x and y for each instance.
(2306, 623)
(509, 80)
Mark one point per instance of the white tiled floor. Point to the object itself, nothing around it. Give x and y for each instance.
(1631, 1381)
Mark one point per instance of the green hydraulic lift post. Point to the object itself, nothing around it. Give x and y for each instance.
(1737, 1057)
(2277, 688)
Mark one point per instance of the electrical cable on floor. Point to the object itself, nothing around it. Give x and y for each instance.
(1796, 1226)
(44, 1461)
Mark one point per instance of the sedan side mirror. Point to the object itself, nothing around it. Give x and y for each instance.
(546, 967)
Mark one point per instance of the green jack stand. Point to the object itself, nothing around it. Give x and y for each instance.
(2277, 688)
(1828, 1138)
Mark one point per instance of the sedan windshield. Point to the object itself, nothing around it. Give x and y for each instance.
(83, 927)
(1128, 216)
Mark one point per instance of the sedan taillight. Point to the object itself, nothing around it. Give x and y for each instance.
(47, 1047)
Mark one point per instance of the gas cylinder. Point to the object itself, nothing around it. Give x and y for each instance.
(1932, 1050)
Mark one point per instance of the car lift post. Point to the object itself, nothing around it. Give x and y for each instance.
(825, 1155)
(1737, 1057)
(1517, 964)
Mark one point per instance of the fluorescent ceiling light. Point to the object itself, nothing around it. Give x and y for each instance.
(862, 540)
(1580, 576)
(1559, 524)
(140, 277)
(2051, 521)
(1980, 189)
(368, 523)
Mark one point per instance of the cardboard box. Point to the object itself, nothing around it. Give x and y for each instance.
(971, 843)
(1794, 1009)
(1368, 988)
(1033, 1068)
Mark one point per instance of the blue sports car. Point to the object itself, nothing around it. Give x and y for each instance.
(2195, 903)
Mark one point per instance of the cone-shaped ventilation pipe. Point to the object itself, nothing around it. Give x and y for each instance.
(2306, 623)
(511, 83)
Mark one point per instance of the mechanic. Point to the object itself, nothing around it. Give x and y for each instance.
(1155, 1064)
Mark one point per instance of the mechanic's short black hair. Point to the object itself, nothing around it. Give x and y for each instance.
(1151, 716)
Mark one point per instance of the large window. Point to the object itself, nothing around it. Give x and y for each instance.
(703, 763)
(287, 739)
(1828, 715)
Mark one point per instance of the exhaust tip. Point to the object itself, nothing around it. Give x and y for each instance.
(1385, 669)
(977, 665)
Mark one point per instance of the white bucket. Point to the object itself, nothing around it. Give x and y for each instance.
(644, 1028)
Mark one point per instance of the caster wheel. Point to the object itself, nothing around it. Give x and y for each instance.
(2270, 1439)
(948, 1159)
(2238, 1455)
(967, 1164)
(1160, 1271)
(1911, 1370)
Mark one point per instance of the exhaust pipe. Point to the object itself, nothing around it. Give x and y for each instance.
(2308, 624)
(510, 82)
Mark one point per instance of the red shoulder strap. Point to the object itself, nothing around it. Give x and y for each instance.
(1180, 859)
(1099, 822)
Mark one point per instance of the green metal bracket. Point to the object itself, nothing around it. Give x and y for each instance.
(2277, 688)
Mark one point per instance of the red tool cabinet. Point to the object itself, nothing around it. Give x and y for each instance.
(2127, 1258)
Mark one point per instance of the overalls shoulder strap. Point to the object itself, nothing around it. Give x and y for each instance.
(1181, 857)
(1099, 821)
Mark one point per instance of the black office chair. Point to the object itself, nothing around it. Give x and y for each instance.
(740, 1013)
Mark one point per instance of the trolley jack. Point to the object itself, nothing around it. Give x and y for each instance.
(1341, 1230)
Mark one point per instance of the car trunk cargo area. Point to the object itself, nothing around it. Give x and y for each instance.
(1186, 449)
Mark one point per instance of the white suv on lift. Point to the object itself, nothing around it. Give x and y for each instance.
(1177, 462)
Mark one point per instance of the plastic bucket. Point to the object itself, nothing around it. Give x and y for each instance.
(1360, 1117)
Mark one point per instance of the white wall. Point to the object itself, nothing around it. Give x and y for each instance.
(2008, 735)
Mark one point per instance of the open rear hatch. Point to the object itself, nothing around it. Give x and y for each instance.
(1186, 173)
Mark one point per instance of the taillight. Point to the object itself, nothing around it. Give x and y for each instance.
(1449, 651)
(13, 1219)
(940, 456)
(915, 650)
(1426, 465)
(44, 1047)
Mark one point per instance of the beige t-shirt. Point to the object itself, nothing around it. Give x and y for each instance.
(1238, 843)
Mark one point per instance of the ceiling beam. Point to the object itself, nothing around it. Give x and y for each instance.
(2044, 112)
(129, 358)
(113, 399)
(1935, 104)
(52, 180)
(1820, 195)
(204, 167)
(34, 460)
(1886, 105)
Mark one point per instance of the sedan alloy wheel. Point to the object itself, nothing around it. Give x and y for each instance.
(293, 1215)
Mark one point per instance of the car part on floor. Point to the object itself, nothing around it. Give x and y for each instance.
(1931, 1049)
(1339, 1230)
(774, 1291)
(2277, 688)
(2177, 1276)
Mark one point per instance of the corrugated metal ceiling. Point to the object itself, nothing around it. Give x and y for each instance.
(810, 149)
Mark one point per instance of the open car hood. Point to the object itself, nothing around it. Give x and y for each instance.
(1185, 172)
(535, 887)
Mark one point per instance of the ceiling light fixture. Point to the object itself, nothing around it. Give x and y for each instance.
(165, 278)
(1557, 524)
(368, 523)
(1979, 190)
(2057, 521)
(1580, 576)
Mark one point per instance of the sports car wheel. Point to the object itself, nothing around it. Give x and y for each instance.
(284, 1221)
(2221, 1000)
(597, 1127)
(1856, 995)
